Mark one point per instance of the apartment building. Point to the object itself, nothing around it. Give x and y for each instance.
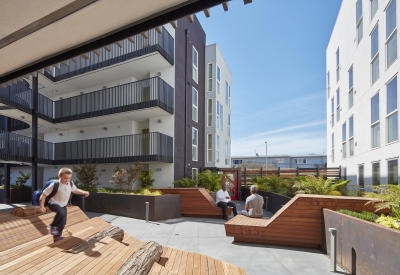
(283, 161)
(218, 117)
(140, 99)
(362, 92)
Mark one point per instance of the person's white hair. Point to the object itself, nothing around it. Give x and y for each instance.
(253, 189)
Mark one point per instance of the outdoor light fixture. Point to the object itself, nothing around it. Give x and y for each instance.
(60, 134)
(103, 170)
(22, 117)
(159, 169)
(61, 97)
(159, 73)
(81, 131)
(119, 126)
(82, 93)
(105, 128)
(159, 121)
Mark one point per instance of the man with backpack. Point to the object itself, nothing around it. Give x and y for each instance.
(58, 201)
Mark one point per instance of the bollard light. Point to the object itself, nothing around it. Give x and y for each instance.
(147, 211)
(333, 248)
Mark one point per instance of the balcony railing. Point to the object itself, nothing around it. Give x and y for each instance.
(153, 92)
(15, 124)
(14, 147)
(163, 43)
(18, 96)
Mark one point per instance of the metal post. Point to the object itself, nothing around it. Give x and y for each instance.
(83, 203)
(266, 158)
(333, 249)
(297, 171)
(147, 211)
(266, 204)
(279, 171)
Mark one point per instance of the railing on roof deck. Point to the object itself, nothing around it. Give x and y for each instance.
(141, 94)
(130, 148)
(163, 42)
(14, 147)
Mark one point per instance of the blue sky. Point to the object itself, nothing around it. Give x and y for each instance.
(276, 53)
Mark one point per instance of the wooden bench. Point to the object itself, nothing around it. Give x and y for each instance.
(297, 223)
(197, 202)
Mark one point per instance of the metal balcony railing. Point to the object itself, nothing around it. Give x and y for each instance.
(14, 147)
(15, 124)
(163, 43)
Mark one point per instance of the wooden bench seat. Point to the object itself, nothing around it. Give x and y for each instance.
(197, 202)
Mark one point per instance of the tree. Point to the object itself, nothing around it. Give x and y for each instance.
(125, 178)
(87, 175)
(22, 179)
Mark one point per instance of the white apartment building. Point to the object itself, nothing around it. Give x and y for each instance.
(218, 109)
(362, 92)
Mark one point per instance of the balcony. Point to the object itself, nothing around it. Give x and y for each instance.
(128, 49)
(149, 147)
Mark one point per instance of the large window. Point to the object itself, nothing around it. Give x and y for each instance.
(226, 93)
(195, 105)
(218, 80)
(195, 142)
(209, 112)
(391, 34)
(337, 104)
(359, 21)
(209, 147)
(229, 125)
(195, 67)
(344, 139)
(374, 54)
(393, 171)
(361, 176)
(333, 148)
(194, 173)
(217, 148)
(300, 160)
(229, 96)
(351, 136)
(328, 85)
(376, 176)
(210, 81)
(391, 112)
(375, 125)
(351, 89)
(333, 111)
(374, 8)
(337, 66)
(220, 116)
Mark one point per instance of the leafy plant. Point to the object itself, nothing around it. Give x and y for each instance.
(146, 179)
(388, 221)
(186, 182)
(125, 178)
(211, 180)
(148, 192)
(87, 176)
(261, 183)
(388, 198)
(364, 215)
(317, 185)
(22, 180)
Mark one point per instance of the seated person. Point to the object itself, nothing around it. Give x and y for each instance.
(254, 204)
(223, 200)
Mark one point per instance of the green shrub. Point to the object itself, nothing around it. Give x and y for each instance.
(186, 182)
(388, 196)
(388, 222)
(261, 183)
(318, 185)
(211, 180)
(366, 216)
(146, 179)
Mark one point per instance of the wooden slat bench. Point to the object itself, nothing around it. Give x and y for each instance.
(197, 202)
(297, 223)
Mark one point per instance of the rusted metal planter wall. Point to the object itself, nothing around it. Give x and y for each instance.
(18, 195)
(132, 206)
(362, 247)
(275, 201)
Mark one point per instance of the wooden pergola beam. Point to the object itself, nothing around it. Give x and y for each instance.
(207, 12)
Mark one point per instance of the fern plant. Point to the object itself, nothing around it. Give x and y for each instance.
(186, 182)
(319, 186)
(210, 181)
(388, 198)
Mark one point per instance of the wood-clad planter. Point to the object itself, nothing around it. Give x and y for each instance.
(362, 247)
(17, 195)
(132, 206)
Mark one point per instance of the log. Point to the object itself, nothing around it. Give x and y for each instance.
(142, 260)
(26, 211)
(114, 232)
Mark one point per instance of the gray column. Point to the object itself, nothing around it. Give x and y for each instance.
(35, 107)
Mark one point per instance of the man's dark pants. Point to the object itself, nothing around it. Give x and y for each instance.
(60, 219)
(225, 205)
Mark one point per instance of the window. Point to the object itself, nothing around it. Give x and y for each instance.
(194, 173)
(209, 148)
(351, 90)
(376, 178)
(393, 171)
(333, 111)
(229, 96)
(375, 121)
(226, 92)
(359, 21)
(351, 136)
(209, 112)
(338, 105)
(392, 114)
(226, 153)
(217, 148)
(210, 72)
(337, 66)
(194, 144)
(361, 176)
(391, 34)
(229, 125)
(195, 67)
(218, 115)
(374, 8)
(374, 55)
(218, 80)
(278, 160)
(300, 161)
(344, 145)
(333, 148)
(194, 104)
(328, 85)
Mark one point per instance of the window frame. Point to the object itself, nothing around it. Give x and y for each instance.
(375, 57)
(376, 178)
(337, 65)
(372, 15)
(229, 125)
(344, 140)
(210, 112)
(351, 136)
(395, 174)
(217, 148)
(210, 77)
(361, 178)
(391, 35)
(375, 123)
(338, 105)
(209, 150)
(218, 78)
(195, 68)
(195, 147)
(194, 175)
(333, 148)
(195, 107)
(359, 23)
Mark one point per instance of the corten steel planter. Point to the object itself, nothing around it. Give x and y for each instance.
(17, 195)
(362, 247)
(132, 206)
(275, 201)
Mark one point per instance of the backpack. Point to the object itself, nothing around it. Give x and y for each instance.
(36, 195)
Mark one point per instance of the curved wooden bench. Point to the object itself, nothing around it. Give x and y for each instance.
(197, 202)
(297, 223)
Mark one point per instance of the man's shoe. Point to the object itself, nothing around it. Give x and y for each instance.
(53, 230)
(57, 238)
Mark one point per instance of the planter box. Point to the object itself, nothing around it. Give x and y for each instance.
(275, 201)
(17, 195)
(132, 206)
(362, 247)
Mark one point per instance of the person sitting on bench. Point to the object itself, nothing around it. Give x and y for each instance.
(223, 200)
(254, 204)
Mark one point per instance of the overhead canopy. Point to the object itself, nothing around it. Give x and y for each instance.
(36, 34)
